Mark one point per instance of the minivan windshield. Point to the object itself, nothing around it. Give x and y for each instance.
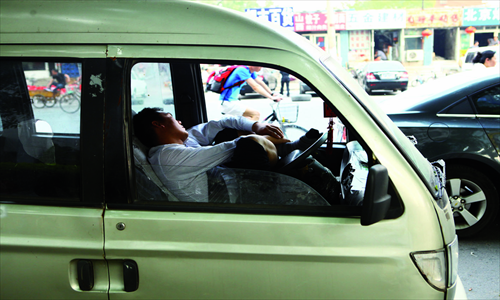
(407, 148)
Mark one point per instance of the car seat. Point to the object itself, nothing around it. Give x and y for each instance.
(149, 186)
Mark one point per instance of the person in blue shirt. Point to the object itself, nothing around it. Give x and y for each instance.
(230, 102)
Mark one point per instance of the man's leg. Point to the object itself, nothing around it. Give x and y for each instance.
(235, 108)
(252, 114)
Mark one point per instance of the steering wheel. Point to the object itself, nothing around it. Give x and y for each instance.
(296, 157)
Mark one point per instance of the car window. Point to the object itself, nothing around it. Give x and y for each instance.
(40, 141)
(151, 86)
(470, 56)
(173, 173)
(461, 107)
(488, 102)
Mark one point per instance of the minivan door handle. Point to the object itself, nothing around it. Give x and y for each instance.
(85, 271)
(130, 276)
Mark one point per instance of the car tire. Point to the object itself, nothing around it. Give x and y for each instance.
(473, 198)
(368, 91)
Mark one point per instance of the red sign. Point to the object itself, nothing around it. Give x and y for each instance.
(433, 18)
(310, 22)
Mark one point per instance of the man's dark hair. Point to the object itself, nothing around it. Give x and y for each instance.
(143, 129)
(249, 154)
(482, 56)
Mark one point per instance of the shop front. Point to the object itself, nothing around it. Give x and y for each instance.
(479, 24)
(431, 35)
(374, 34)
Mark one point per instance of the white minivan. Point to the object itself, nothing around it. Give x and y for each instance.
(84, 216)
(466, 60)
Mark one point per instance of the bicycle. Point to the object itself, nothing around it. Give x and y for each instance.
(421, 79)
(69, 101)
(284, 116)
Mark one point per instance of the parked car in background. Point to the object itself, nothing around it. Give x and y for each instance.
(457, 118)
(383, 76)
(466, 60)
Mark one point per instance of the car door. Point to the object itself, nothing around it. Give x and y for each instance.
(51, 227)
(487, 104)
(261, 246)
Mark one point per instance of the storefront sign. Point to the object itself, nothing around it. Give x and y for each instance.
(433, 18)
(310, 22)
(282, 16)
(339, 21)
(481, 16)
(375, 19)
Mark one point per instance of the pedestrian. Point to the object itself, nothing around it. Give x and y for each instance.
(485, 59)
(285, 80)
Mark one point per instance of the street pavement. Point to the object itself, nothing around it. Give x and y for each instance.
(479, 264)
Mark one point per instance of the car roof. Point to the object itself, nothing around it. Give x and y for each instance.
(172, 22)
(437, 94)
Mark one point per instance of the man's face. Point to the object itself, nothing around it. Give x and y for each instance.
(172, 127)
(54, 72)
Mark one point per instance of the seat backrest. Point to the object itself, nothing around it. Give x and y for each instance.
(39, 147)
(149, 186)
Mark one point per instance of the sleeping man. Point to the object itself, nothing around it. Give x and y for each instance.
(181, 158)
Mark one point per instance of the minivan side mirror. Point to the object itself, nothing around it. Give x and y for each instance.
(376, 201)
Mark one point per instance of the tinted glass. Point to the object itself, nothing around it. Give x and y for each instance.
(40, 141)
(460, 107)
(185, 177)
(488, 102)
(55, 96)
(151, 86)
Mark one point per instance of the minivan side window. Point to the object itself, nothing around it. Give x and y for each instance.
(151, 86)
(170, 174)
(40, 140)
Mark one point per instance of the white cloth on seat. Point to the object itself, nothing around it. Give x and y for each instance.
(38, 145)
(141, 162)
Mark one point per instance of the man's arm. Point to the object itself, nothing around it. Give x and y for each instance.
(204, 134)
(260, 87)
(185, 162)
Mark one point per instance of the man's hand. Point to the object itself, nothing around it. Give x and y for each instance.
(277, 141)
(276, 97)
(267, 129)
